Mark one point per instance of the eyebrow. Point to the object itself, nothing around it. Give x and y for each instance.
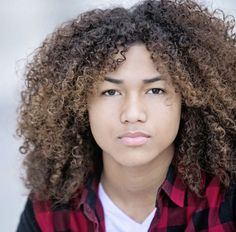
(145, 81)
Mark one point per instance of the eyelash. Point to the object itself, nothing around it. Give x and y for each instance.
(106, 92)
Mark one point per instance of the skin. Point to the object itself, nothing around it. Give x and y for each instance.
(132, 174)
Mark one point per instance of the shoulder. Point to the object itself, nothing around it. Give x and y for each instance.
(227, 208)
(49, 214)
(222, 199)
(41, 215)
(230, 196)
(28, 222)
(213, 187)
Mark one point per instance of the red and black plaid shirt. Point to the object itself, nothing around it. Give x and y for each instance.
(178, 209)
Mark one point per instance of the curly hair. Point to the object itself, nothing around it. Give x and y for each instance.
(196, 46)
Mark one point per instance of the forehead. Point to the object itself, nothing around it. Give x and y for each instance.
(137, 64)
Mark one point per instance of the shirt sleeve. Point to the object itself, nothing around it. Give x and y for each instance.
(27, 221)
(234, 204)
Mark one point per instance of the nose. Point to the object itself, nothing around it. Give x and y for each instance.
(133, 110)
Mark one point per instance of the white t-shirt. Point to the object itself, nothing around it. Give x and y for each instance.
(116, 220)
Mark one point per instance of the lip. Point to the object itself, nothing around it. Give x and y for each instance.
(136, 138)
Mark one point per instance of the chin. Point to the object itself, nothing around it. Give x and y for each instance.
(132, 162)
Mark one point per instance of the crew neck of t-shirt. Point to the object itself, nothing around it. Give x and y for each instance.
(116, 220)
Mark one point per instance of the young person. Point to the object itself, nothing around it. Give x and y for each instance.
(128, 120)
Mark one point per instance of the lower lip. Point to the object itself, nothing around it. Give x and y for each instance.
(136, 141)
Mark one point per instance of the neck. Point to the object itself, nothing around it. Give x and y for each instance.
(134, 189)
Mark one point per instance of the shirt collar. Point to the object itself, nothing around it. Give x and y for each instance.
(88, 192)
(174, 187)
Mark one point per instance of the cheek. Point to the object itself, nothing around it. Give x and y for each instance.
(103, 112)
(101, 121)
(167, 120)
(173, 118)
(102, 131)
(174, 121)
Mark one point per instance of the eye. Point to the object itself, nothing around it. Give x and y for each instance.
(155, 91)
(110, 92)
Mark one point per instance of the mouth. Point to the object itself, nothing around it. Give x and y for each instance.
(134, 138)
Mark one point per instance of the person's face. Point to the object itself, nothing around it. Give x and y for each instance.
(134, 115)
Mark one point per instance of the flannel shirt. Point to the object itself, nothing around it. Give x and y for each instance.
(178, 209)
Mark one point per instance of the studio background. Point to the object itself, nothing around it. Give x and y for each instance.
(24, 24)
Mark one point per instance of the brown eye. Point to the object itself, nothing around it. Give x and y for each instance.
(156, 91)
(110, 92)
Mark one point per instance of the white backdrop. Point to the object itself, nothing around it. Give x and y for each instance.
(23, 26)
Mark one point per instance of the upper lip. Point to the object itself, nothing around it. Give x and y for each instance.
(135, 134)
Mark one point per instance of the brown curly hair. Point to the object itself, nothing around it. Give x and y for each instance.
(198, 49)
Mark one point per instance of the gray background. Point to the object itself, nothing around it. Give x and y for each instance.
(23, 26)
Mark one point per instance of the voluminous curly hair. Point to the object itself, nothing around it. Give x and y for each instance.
(196, 46)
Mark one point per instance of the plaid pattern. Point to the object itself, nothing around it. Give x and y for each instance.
(178, 209)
